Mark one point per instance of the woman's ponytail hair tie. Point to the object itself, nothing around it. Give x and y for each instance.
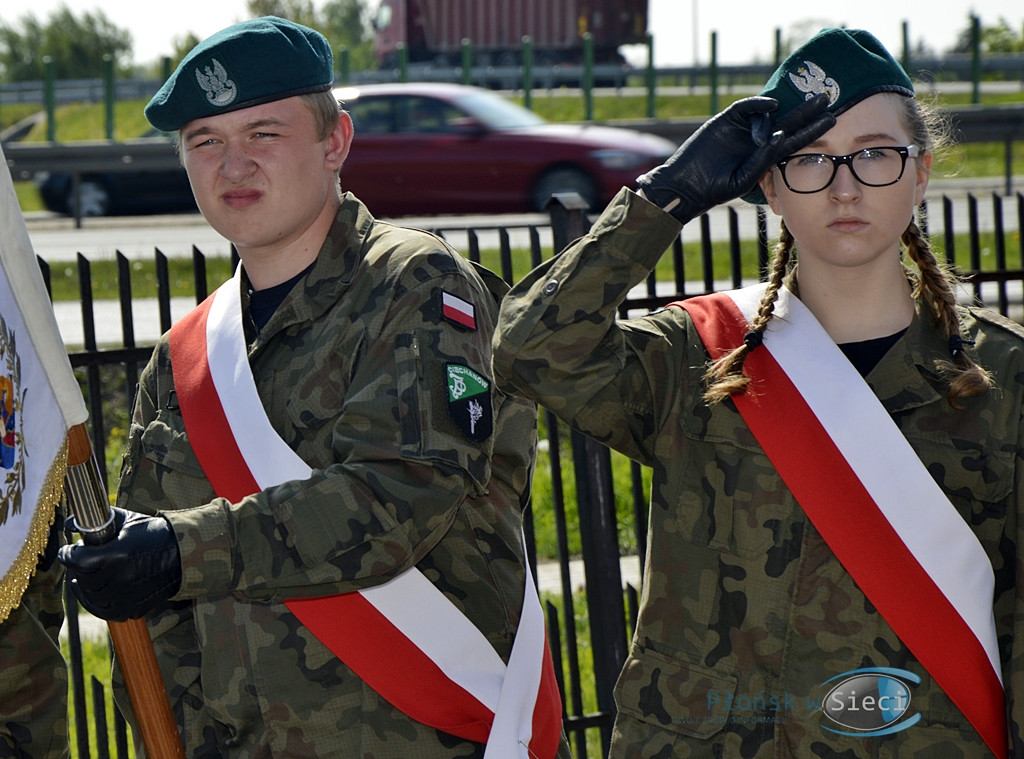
(753, 339)
(956, 345)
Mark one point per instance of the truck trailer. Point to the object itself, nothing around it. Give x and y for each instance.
(433, 30)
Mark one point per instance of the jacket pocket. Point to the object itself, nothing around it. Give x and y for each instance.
(730, 498)
(671, 695)
(168, 467)
(433, 428)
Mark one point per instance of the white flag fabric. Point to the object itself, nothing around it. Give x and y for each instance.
(39, 402)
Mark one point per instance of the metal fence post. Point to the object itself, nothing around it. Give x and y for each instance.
(713, 72)
(344, 65)
(528, 72)
(599, 537)
(49, 99)
(650, 78)
(588, 77)
(467, 61)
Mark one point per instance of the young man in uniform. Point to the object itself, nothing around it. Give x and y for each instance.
(320, 510)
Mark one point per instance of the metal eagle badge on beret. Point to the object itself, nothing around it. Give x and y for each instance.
(220, 90)
(469, 401)
(811, 79)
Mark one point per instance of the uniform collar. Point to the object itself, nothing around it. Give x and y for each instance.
(328, 278)
(905, 378)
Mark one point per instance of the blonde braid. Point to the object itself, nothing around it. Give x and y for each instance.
(725, 375)
(937, 286)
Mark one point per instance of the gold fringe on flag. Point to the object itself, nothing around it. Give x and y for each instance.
(19, 574)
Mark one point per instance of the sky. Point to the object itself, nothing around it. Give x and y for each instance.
(679, 26)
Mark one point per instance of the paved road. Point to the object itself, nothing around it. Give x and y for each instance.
(57, 239)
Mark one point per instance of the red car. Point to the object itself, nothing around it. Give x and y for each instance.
(427, 148)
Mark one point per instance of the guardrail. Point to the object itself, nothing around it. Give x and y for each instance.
(26, 159)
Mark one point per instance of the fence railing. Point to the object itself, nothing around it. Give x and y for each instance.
(959, 67)
(589, 622)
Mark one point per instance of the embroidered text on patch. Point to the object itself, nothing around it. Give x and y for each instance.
(812, 80)
(220, 91)
(469, 401)
(457, 310)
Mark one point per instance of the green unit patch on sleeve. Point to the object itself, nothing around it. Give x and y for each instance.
(463, 382)
(469, 402)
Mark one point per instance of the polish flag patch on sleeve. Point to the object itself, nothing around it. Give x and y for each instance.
(458, 311)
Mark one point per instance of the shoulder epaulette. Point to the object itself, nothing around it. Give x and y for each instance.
(991, 316)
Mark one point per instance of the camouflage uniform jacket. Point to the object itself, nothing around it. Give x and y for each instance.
(745, 611)
(351, 371)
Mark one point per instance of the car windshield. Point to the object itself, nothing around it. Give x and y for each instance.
(496, 112)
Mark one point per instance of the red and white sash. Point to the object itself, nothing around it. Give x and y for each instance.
(863, 486)
(404, 637)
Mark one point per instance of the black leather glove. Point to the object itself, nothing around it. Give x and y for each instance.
(133, 573)
(730, 152)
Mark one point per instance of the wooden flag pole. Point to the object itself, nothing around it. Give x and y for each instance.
(131, 639)
(83, 487)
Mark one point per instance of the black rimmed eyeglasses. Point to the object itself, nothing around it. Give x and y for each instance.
(875, 167)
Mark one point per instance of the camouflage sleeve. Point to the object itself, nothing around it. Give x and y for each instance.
(1003, 415)
(33, 673)
(559, 342)
(1009, 604)
(386, 491)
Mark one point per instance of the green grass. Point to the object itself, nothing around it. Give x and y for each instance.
(585, 687)
(65, 281)
(95, 667)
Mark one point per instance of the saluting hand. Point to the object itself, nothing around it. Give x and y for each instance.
(730, 152)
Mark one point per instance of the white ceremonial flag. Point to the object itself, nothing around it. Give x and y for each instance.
(39, 402)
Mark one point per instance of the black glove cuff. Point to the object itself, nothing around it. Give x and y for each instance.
(668, 200)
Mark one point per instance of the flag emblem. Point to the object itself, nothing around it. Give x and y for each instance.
(457, 310)
(12, 465)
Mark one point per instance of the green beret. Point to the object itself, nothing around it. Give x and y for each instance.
(252, 62)
(846, 64)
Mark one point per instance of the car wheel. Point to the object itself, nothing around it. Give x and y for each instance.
(564, 179)
(93, 199)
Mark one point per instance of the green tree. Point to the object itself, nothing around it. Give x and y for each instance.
(998, 38)
(299, 11)
(1002, 38)
(346, 23)
(77, 46)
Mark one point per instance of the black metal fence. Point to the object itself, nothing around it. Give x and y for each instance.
(589, 621)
